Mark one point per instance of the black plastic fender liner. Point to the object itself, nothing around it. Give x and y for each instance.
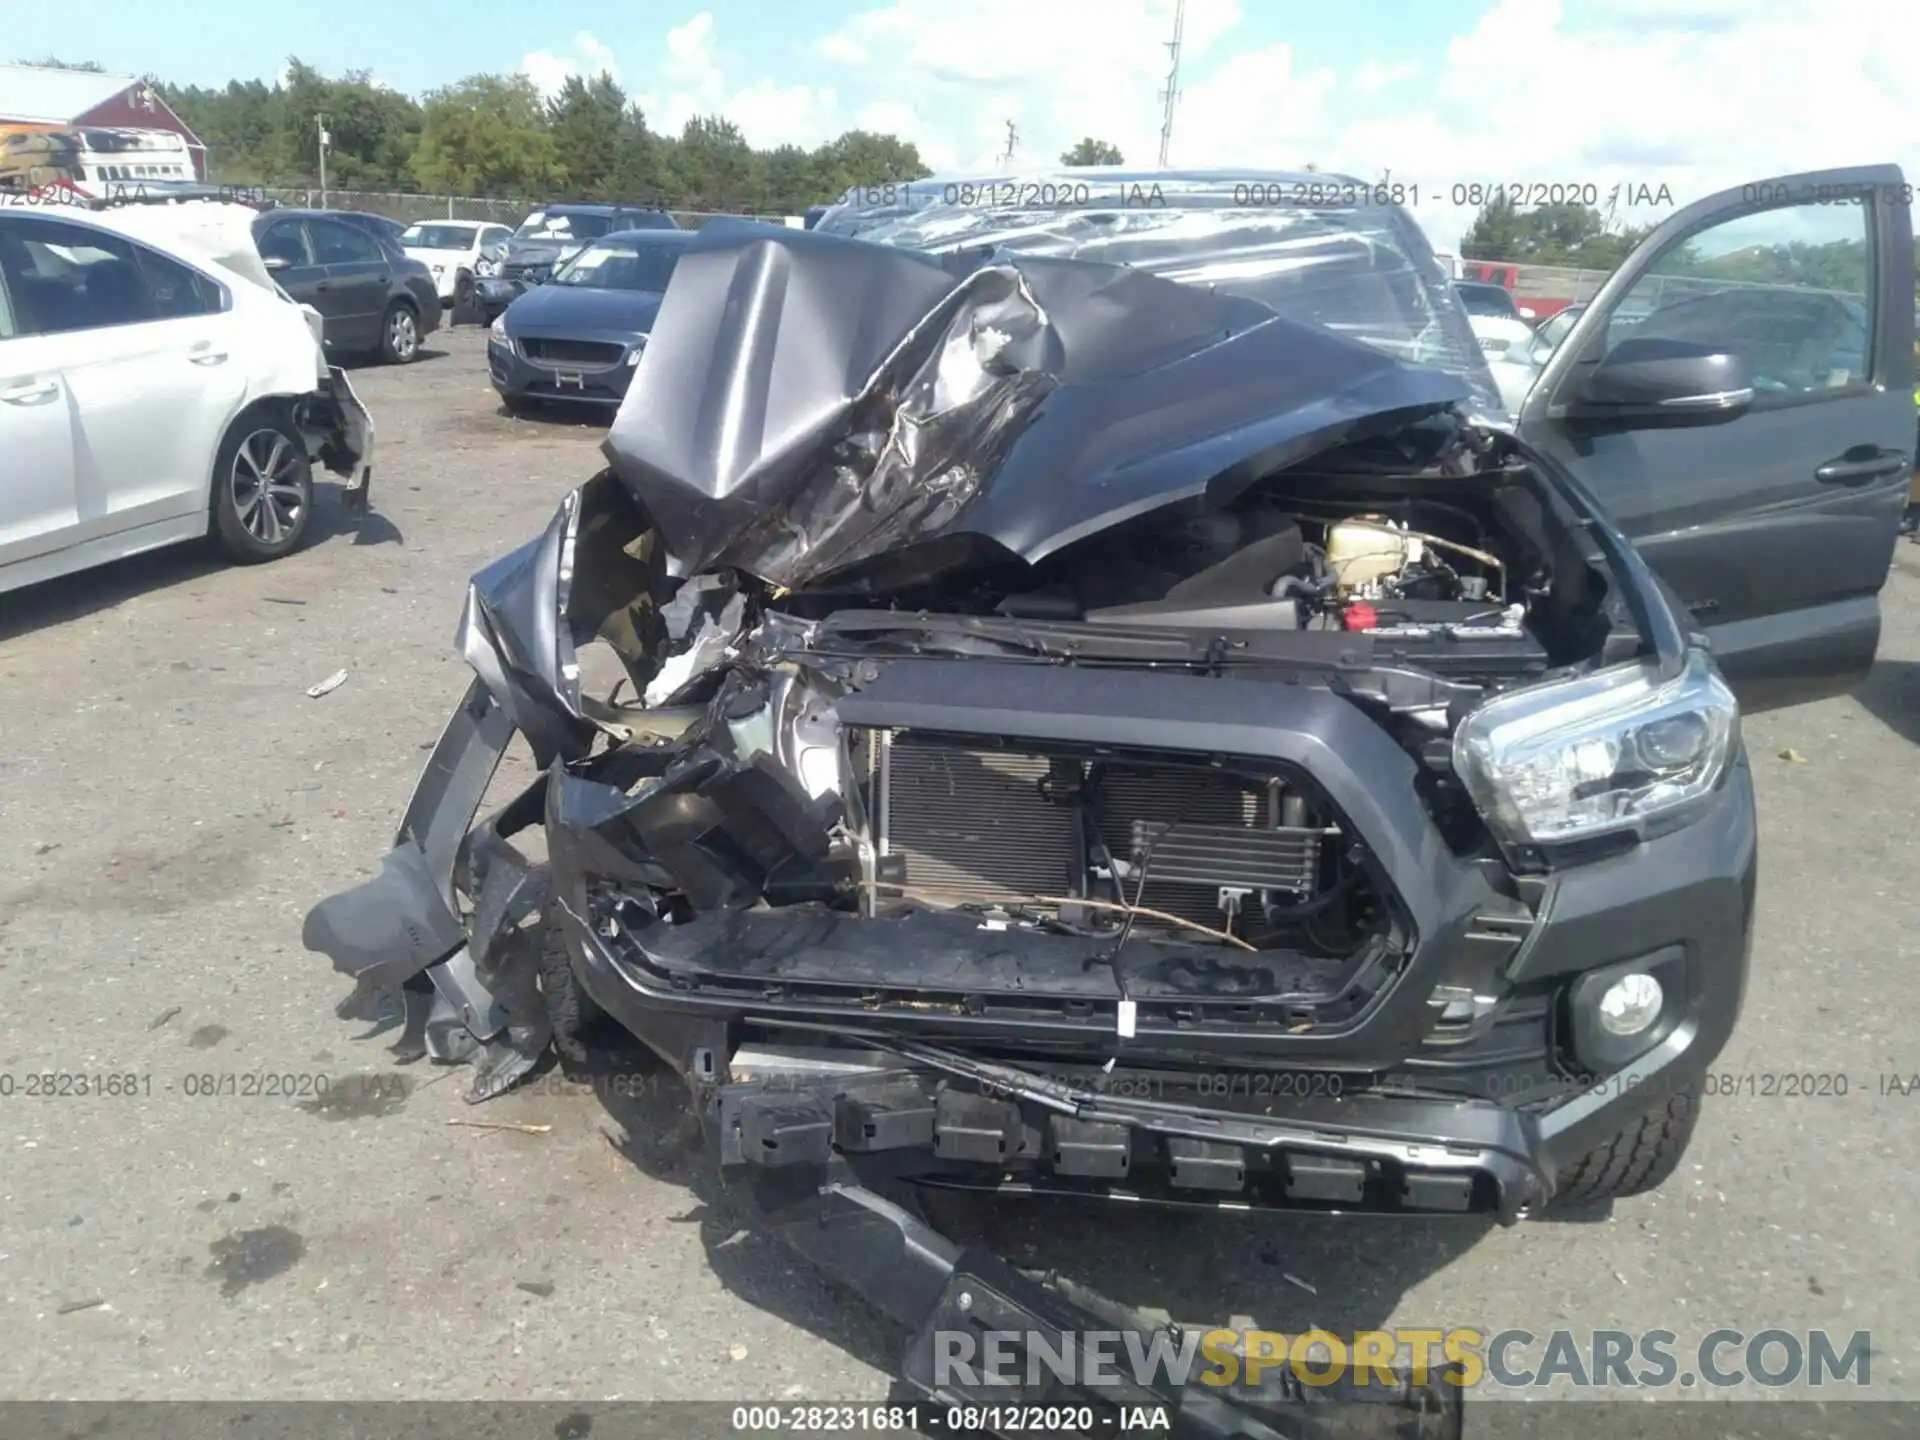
(918, 1277)
(386, 931)
(404, 922)
(984, 1294)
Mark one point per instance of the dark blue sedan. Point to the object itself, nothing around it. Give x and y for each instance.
(578, 337)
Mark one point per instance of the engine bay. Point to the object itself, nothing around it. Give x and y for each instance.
(1412, 575)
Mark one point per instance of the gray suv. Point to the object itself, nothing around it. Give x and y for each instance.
(546, 240)
(1111, 706)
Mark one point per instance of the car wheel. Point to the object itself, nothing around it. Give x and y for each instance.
(400, 334)
(570, 1009)
(262, 491)
(1640, 1158)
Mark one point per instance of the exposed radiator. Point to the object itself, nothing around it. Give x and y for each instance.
(977, 825)
(973, 823)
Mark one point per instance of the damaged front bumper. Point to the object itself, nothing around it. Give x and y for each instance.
(815, 1136)
(878, 1026)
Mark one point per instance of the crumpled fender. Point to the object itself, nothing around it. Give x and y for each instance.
(593, 571)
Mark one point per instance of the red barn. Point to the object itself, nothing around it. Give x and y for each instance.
(40, 95)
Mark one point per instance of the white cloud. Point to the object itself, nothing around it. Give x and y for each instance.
(690, 79)
(1371, 77)
(1076, 68)
(1695, 95)
(588, 57)
(770, 114)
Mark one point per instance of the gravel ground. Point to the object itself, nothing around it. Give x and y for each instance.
(171, 802)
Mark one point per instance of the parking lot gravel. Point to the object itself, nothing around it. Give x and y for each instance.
(264, 1205)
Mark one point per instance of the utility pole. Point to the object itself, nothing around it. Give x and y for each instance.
(1013, 139)
(320, 130)
(1172, 92)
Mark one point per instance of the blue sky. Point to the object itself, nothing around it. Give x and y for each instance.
(423, 43)
(1681, 97)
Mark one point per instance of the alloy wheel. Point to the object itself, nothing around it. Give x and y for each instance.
(268, 496)
(403, 337)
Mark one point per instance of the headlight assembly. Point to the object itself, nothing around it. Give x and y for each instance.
(498, 330)
(1618, 750)
(486, 265)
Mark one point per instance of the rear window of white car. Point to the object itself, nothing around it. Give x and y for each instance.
(438, 237)
(63, 278)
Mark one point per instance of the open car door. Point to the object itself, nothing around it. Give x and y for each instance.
(1740, 397)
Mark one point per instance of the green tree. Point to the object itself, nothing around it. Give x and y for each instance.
(256, 134)
(588, 121)
(371, 131)
(786, 181)
(1093, 152)
(487, 135)
(494, 134)
(860, 157)
(1568, 234)
(1495, 232)
(639, 174)
(240, 127)
(711, 165)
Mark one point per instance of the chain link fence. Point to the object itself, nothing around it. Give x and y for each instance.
(407, 208)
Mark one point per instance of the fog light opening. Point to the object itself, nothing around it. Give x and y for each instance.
(1631, 1005)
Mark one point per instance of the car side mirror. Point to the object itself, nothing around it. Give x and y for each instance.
(1655, 382)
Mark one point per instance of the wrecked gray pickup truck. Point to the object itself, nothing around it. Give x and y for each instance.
(1091, 735)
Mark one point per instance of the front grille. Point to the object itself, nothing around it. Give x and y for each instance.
(592, 353)
(985, 825)
(532, 274)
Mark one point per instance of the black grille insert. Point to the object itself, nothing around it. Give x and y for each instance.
(599, 353)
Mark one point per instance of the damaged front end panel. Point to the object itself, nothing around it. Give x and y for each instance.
(1031, 763)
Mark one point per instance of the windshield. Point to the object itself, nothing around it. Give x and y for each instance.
(542, 226)
(1487, 300)
(621, 265)
(1313, 248)
(438, 237)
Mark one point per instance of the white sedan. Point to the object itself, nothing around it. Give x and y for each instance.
(451, 249)
(156, 386)
(1499, 324)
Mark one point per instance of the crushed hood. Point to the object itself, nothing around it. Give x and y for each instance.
(811, 403)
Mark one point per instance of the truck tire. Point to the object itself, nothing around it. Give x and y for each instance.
(569, 1010)
(1640, 1158)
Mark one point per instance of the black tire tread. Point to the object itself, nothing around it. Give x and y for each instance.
(1640, 1158)
(570, 1010)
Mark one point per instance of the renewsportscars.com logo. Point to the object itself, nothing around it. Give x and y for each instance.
(1503, 1359)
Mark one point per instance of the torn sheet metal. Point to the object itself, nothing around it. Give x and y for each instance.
(593, 571)
(810, 404)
